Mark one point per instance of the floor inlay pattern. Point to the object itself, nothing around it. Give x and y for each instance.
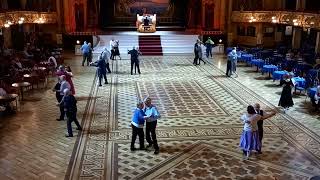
(179, 99)
(193, 144)
(198, 133)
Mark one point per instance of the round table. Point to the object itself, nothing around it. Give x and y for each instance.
(257, 62)
(269, 69)
(312, 92)
(278, 75)
(298, 81)
(246, 57)
(32, 79)
(229, 49)
(21, 85)
(9, 98)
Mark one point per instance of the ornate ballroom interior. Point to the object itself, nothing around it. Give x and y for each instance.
(201, 126)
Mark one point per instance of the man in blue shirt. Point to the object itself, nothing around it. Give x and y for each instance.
(151, 124)
(70, 107)
(137, 124)
(85, 49)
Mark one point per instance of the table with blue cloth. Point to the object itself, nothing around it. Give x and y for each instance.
(229, 49)
(246, 57)
(312, 92)
(257, 62)
(278, 75)
(269, 69)
(298, 81)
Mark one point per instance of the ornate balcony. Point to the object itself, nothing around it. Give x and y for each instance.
(306, 20)
(19, 17)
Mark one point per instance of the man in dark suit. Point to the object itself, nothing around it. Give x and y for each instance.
(102, 70)
(70, 107)
(259, 123)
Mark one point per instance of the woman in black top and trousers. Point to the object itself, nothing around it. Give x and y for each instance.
(286, 95)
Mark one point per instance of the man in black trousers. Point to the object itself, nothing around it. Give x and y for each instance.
(70, 107)
(259, 123)
(134, 59)
(151, 124)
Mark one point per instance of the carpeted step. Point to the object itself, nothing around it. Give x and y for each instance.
(150, 45)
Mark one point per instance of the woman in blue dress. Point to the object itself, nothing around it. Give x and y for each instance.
(250, 136)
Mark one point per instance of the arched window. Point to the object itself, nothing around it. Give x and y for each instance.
(251, 31)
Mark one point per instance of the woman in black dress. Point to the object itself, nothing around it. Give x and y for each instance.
(286, 95)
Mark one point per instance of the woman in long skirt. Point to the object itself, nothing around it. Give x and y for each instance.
(286, 95)
(250, 137)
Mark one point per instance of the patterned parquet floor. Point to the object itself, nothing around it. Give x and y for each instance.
(198, 133)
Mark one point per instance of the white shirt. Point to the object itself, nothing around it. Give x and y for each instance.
(2, 92)
(53, 59)
(250, 121)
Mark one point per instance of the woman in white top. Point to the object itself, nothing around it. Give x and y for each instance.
(250, 137)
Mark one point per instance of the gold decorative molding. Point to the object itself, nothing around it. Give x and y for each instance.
(29, 17)
(307, 20)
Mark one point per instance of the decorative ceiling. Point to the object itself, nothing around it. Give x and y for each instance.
(19, 17)
(306, 20)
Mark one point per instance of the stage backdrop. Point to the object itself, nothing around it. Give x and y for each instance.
(124, 12)
(133, 7)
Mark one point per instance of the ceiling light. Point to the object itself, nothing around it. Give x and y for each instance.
(6, 25)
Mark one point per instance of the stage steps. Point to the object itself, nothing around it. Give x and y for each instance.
(126, 43)
(150, 45)
(171, 44)
(178, 44)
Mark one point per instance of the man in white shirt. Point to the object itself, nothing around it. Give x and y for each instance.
(64, 85)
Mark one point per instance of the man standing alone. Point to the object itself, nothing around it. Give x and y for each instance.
(151, 124)
(85, 53)
(70, 107)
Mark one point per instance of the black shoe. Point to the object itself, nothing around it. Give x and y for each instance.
(59, 119)
(156, 151)
(259, 152)
(79, 129)
(150, 145)
(69, 135)
(100, 84)
(133, 149)
(106, 82)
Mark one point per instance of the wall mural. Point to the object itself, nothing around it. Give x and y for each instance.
(133, 7)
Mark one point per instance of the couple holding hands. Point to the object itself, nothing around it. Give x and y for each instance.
(145, 112)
